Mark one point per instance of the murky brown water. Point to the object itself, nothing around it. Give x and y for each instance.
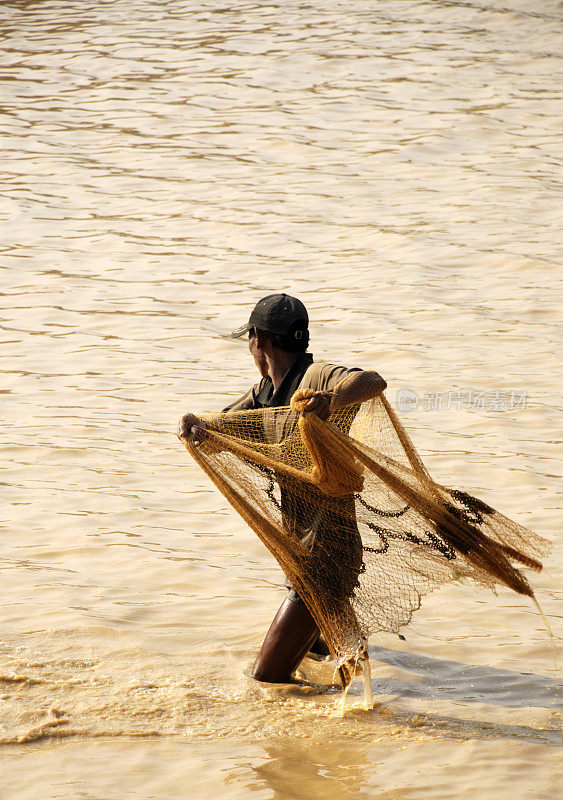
(165, 164)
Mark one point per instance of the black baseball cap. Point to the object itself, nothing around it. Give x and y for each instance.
(276, 313)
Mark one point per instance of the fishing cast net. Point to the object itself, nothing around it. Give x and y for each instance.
(353, 518)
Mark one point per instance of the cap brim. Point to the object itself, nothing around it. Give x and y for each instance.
(241, 331)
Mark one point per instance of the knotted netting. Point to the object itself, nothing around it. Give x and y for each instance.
(354, 519)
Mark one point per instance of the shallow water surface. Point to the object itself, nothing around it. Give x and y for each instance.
(165, 164)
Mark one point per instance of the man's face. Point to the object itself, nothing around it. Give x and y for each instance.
(255, 346)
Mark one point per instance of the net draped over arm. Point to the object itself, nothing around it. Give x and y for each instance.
(371, 532)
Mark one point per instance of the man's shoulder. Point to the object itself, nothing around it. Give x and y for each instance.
(322, 376)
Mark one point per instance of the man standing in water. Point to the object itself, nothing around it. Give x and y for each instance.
(278, 340)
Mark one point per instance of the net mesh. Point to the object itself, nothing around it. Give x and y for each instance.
(353, 518)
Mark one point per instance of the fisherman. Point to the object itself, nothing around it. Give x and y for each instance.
(278, 338)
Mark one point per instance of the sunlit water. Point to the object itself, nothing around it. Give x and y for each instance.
(165, 164)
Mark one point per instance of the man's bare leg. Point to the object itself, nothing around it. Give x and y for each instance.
(319, 648)
(288, 640)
